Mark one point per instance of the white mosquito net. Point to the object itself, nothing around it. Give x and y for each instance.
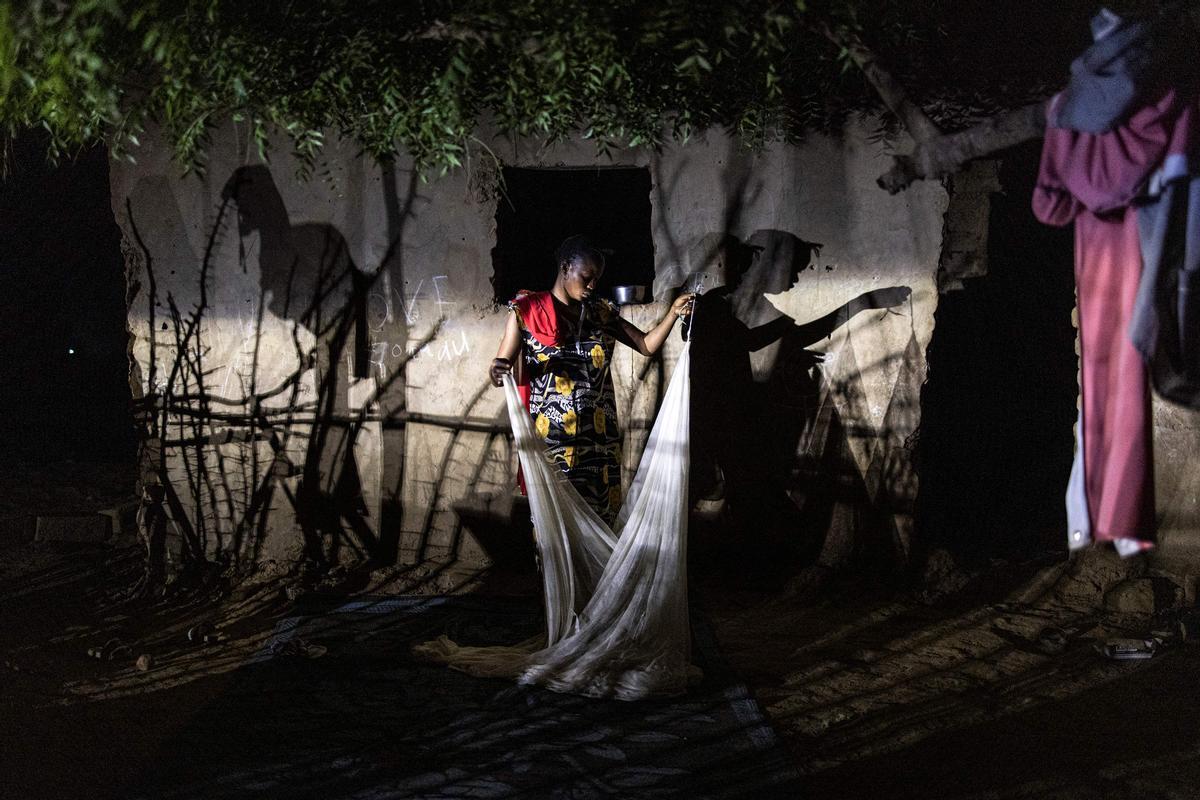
(616, 600)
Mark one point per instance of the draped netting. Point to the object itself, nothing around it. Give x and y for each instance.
(616, 599)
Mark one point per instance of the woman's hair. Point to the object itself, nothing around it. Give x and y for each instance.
(576, 248)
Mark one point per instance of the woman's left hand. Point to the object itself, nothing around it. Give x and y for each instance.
(683, 304)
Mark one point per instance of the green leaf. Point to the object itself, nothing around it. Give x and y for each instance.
(416, 79)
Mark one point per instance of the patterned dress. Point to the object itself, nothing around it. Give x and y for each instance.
(573, 405)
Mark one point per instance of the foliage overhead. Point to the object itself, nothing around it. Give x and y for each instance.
(419, 77)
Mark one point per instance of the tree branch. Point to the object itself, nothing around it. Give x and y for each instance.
(445, 32)
(947, 154)
(890, 90)
(935, 154)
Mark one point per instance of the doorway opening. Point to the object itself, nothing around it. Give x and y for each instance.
(996, 413)
(540, 207)
(63, 339)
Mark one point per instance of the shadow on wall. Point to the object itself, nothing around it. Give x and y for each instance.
(773, 446)
(781, 431)
(307, 276)
(234, 447)
(302, 443)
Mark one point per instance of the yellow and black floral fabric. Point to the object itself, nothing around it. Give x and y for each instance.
(573, 406)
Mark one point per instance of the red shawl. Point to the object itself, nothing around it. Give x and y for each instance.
(535, 313)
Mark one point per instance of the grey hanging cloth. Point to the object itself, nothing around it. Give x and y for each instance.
(1165, 327)
(1110, 80)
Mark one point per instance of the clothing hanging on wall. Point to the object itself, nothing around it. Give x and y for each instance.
(1119, 160)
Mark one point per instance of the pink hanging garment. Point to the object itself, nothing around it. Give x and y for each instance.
(1090, 179)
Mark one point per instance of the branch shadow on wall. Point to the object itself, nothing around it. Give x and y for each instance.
(308, 276)
(227, 439)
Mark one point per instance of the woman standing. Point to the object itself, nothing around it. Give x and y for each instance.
(616, 606)
(560, 345)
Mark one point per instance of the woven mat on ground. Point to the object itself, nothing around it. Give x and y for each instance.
(364, 719)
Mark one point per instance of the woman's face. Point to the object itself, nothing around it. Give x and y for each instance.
(580, 277)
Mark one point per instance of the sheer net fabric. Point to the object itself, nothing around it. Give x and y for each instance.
(616, 599)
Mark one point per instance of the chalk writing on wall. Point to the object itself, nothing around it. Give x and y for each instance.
(431, 299)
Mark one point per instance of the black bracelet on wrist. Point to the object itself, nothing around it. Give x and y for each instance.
(502, 360)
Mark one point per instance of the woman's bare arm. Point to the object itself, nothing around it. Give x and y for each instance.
(649, 342)
(510, 346)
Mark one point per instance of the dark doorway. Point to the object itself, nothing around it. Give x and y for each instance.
(997, 409)
(540, 207)
(63, 339)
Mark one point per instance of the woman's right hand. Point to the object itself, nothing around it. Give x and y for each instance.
(500, 368)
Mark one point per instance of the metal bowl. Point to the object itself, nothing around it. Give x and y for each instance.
(629, 295)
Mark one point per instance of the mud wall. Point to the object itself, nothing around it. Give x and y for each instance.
(1177, 485)
(310, 355)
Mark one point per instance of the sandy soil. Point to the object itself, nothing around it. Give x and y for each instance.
(993, 690)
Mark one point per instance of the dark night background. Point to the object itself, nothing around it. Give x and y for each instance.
(64, 392)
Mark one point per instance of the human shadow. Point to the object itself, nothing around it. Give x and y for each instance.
(308, 276)
(745, 429)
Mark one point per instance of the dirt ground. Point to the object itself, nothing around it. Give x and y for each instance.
(992, 687)
(974, 697)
